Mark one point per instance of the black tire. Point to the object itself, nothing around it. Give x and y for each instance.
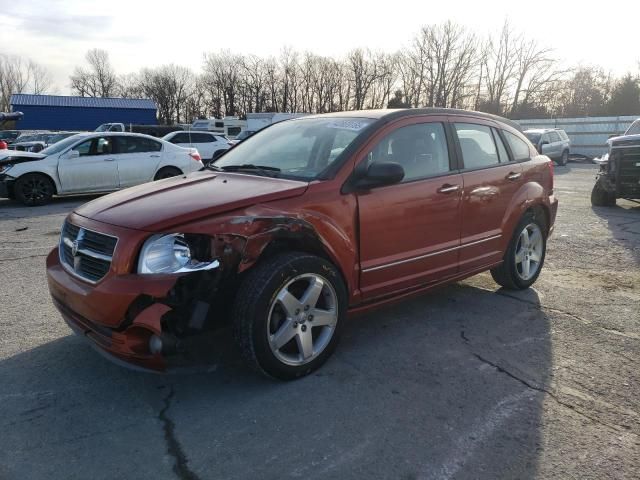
(253, 306)
(34, 189)
(601, 197)
(507, 274)
(167, 172)
(563, 159)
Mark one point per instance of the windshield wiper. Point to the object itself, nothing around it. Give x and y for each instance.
(247, 167)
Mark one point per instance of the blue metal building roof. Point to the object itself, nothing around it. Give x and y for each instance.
(18, 100)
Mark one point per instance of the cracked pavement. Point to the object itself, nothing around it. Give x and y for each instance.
(468, 382)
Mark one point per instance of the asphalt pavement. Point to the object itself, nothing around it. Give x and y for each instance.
(467, 382)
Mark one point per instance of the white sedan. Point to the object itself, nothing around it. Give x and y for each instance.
(91, 163)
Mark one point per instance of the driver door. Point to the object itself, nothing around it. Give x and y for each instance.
(94, 170)
(410, 231)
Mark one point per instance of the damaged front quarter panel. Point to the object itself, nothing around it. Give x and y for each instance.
(200, 302)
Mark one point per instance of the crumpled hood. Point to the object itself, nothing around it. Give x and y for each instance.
(14, 156)
(159, 206)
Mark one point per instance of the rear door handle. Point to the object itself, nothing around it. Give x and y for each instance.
(513, 176)
(155, 156)
(109, 159)
(447, 188)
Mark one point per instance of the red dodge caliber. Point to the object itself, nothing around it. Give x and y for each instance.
(299, 225)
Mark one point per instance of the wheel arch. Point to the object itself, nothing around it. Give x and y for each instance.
(530, 198)
(282, 234)
(44, 174)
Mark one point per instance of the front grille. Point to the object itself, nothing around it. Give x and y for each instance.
(628, 174)
(86, 253)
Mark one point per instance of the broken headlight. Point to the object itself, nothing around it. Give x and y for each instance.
(170, 253)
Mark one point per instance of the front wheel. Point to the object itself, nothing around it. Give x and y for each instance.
(601, 197)
(524, 257)
(288, 314)
(34, 189)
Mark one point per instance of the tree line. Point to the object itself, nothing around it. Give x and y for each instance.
(444, 65)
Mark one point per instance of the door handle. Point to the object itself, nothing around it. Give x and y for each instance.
(446, 188)
(109, 159)
(154, 156)
(513, 176)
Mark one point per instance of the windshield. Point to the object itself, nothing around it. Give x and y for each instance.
(60, 136)
(634, 129)
(299, 149)
(61, 145)
(26, 138)
(533, 137)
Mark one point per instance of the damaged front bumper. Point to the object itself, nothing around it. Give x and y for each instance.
(129, 319)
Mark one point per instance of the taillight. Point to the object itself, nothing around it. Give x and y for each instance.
(551, 175)
(196, 156)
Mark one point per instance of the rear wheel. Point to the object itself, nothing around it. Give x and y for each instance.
(525, 255)
(601, 197)
(288, 314)
(34, 189)
(167, 172)
(564, 159)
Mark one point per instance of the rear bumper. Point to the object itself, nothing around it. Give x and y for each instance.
(553, 211)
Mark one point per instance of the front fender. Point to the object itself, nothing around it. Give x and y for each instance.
(46, 167)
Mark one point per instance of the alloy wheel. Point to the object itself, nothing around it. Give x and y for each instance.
(529, 251)
(302, 319)
(36, 189)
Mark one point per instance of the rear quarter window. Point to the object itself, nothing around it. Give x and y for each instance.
(519, 148)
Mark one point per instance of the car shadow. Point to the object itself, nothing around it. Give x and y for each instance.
(623, 221)
(447, 385)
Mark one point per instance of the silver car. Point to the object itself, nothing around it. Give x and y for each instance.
(552, 142)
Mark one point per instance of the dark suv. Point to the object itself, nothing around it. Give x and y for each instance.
(619, 175)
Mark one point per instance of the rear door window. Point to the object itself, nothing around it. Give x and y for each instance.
(519, 147)
(477, 145)
(554, 137)
(138, 145)
(502, 151)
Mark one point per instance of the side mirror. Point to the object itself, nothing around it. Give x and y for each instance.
(380, 174)
(72, 154)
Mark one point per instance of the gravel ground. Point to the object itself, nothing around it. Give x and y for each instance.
(468, 382)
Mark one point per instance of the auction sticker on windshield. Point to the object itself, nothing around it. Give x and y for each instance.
(349, 124)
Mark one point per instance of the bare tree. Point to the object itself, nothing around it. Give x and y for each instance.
(170, 87)
(98, 79)
(500, 63)
(20, 75)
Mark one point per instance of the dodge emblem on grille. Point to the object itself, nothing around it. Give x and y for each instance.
(75, 247)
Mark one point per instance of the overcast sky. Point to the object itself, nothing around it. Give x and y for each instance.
(143, 33)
